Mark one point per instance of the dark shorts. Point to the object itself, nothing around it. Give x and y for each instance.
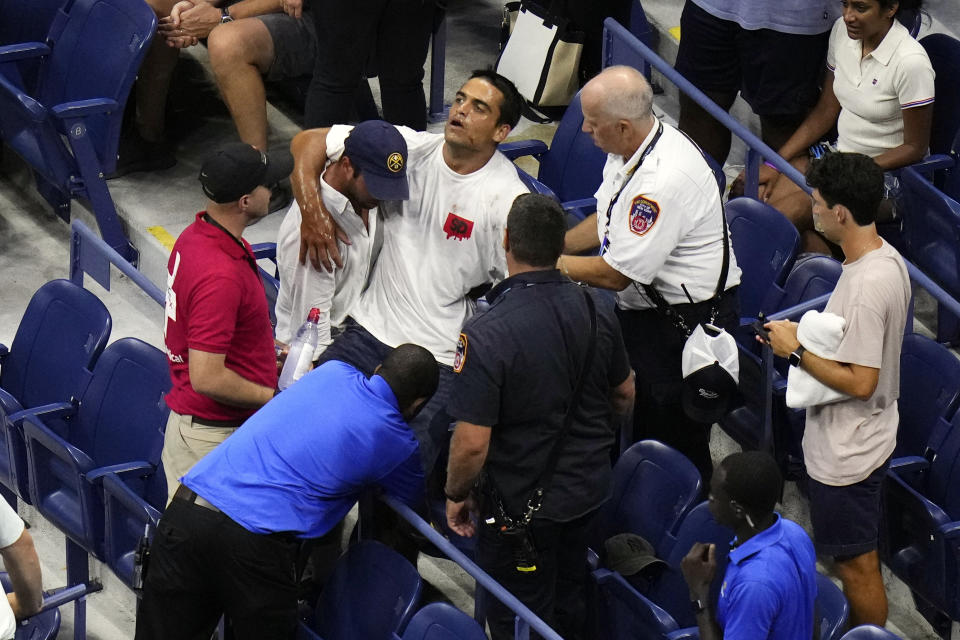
(778, 74)
(294, 45)
(846, 520)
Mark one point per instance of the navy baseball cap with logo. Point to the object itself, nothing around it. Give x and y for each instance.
(237, 169)
(378, 149)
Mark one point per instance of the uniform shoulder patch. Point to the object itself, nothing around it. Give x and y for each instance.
(643, 215)
(460, 357)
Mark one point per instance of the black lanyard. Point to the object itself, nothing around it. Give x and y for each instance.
(246, 254)
(605, 245)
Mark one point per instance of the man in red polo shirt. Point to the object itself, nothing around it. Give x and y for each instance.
(217, 329)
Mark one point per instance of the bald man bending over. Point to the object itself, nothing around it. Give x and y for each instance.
(659, 224)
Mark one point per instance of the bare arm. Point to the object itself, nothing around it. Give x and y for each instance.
(318, 232)
(622, 395)
(468, 452)
(582, 237)
(210, 376)
(916, 139)
(852, 379)
(21, 562)
(698, 568)
(593, 270)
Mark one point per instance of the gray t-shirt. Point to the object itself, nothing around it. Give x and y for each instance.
(845, 441)
(804, 17)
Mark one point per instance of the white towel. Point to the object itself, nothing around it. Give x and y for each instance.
(820, 334)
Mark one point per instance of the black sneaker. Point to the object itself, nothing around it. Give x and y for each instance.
(281, 195)
(136, 154)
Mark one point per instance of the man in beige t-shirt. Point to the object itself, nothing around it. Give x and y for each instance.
(847, 444)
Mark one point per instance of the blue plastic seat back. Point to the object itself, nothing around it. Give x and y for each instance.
(832, 609)
(810, 277)
(912, 19)
(372, 593)
(869, 632)
(43, 626)
(122, 415)
(63, 331)
(765, 244)
(32, 21)
(671, 592)
(929, 391)
(441, 621)
(653, 487)
(97, 55)
(944, 52)
(573, 168)
(943, 477)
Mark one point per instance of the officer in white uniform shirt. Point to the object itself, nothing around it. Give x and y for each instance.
(438, 246)
(659, 222)
(374, 156)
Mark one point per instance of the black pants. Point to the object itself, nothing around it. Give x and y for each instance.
(655, 347)
(555, 591)
(395, 34)
(204, 565)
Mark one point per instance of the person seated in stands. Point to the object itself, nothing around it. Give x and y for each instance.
(248, 40)
(229, 540)
(878, 91)
(372, 168)
(770, 584)
(23, 567)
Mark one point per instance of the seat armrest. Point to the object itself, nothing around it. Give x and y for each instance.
(909, 465)
(933, 162)
(582, 208)
(796, 312)
(520, 148)
(36, 432)
(23, 51)
(54, 410)
(84, 108)
(951, 531)
(115, 490)
(135, 468)
(690, 633)
(265, 251)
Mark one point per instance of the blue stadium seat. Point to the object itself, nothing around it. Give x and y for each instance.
(944, 53)
(622, 612)
(869, 632)
(371, 594)
(812, 275)
(920, 536)
(653, 488)
(929, 392)
(572, 167)
(68, 129)
(765, 244)
(832, 609)
(62, 333)
(441, 621)
(43, 626)
(32, 24)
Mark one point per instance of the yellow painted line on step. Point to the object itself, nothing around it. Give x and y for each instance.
(163, 236)
(675, 32)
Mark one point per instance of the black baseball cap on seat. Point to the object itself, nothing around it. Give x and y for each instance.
(237, 169)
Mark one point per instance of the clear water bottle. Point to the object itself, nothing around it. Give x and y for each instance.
(300, 356)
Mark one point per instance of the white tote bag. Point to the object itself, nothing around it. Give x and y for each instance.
(542, 57)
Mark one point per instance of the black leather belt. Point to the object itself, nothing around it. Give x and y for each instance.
(189, 495)
(229, 424)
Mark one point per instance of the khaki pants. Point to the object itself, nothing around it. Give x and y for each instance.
(184, 443)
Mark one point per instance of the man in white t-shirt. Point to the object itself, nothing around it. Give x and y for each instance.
(659, 223)
(438, 246)
(847, 445)
(372, 167)
(22, 565)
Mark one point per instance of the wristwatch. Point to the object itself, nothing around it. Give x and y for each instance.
(794, 358)
(698, 606)
(225, 16)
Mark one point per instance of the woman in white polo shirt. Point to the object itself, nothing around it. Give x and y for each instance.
(878, 90)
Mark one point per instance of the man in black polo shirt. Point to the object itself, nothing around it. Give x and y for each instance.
(519, 368)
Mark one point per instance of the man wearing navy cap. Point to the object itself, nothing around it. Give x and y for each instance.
(217, 327)
(373, 167)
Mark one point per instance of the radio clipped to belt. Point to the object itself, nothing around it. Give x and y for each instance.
(516, 531)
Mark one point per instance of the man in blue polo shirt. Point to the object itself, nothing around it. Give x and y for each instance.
(228, 542)
(770, 585)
